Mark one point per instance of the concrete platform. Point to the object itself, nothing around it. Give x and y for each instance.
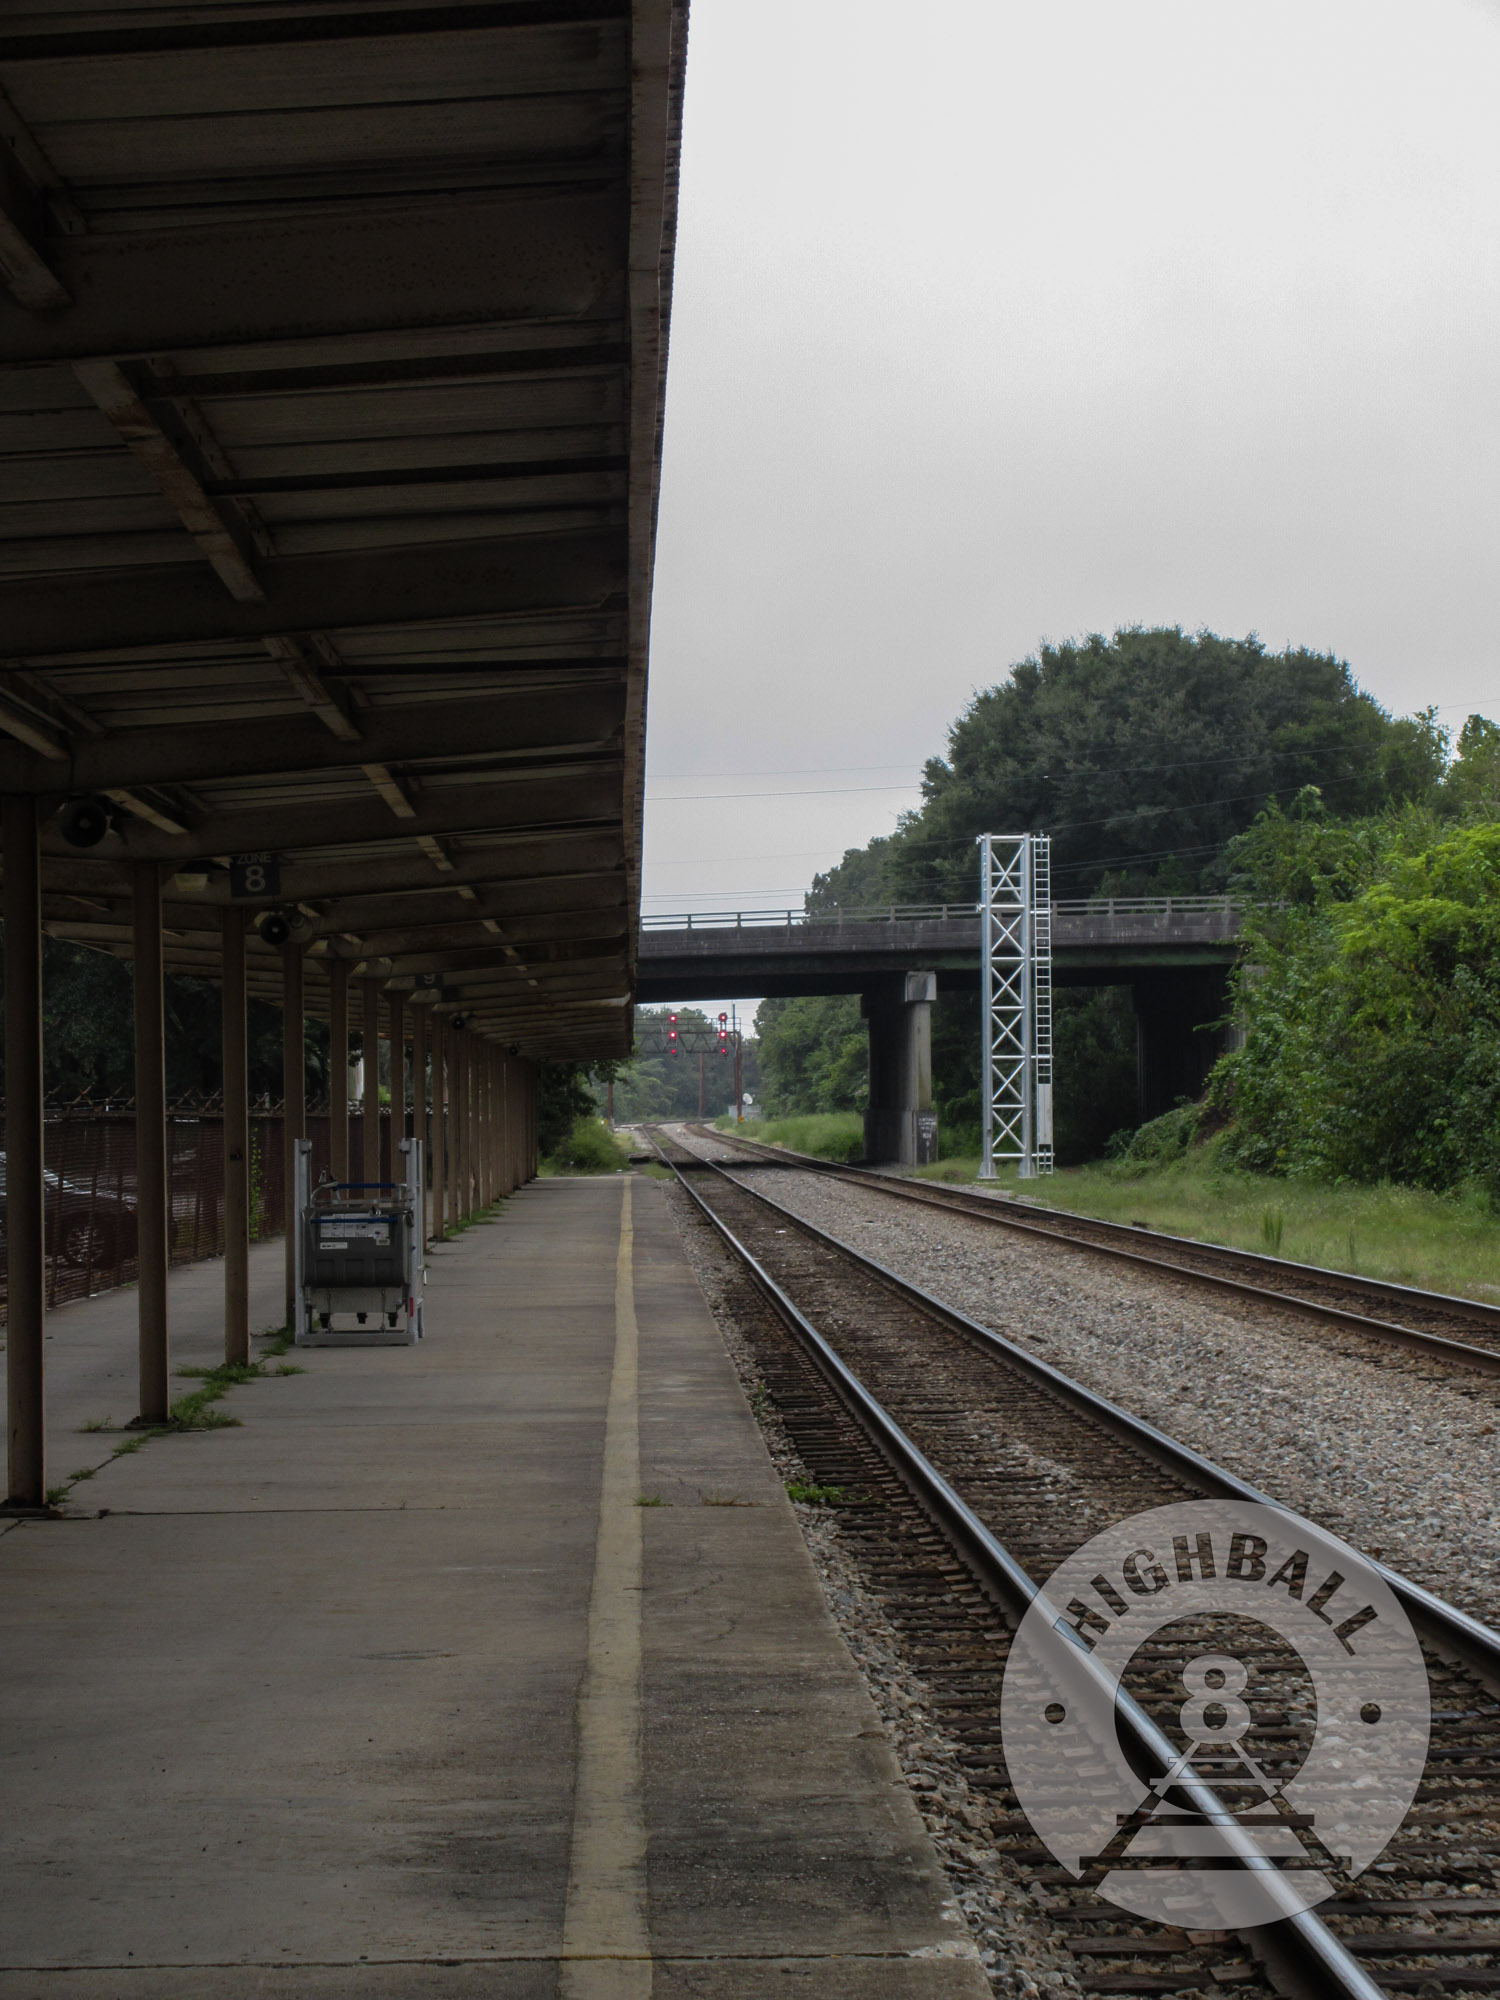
(398, 1691)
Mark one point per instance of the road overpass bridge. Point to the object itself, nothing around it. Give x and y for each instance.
(1174, 952)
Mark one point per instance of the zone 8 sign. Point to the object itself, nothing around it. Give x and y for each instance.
(254, 875)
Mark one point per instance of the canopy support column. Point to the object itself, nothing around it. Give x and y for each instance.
(338, 1068)
(493, 1117)
(294, 1105)
(152, 1209)
(441, 1180)
(461, 1067)
(497, 1123)
(508, 1149)
(236, 1142)
(25, 1221)
(419, 1102)
(482, 1194)
(386, 1126)
(369, 1123)
(396, 1010)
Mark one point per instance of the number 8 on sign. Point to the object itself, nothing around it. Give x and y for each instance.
(254, 875)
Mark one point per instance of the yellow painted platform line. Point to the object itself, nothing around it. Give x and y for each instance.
(606, 1947)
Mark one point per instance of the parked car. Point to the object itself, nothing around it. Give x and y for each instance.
(85, 1226)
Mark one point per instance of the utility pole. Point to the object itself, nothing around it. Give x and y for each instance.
(700, 1083)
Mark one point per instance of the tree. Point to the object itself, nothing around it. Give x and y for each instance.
(1143, 755)
(88, 1031)
(566, 1092)
(1474, 774)
(858, 882)
(1146, 756)
(814, 1054)
(661, 1086)
(1371, 997)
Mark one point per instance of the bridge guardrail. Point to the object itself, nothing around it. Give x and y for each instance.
(906, 913)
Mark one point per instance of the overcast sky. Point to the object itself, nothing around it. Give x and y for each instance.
(998, 321)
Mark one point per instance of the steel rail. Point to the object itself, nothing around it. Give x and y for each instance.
(1300, 1953)
(1449, 1631)
(1439, 1347)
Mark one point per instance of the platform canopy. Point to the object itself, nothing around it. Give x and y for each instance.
(332, 350)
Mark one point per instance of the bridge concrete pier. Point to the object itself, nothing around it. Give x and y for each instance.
(899, 1125)
(1180, 1033)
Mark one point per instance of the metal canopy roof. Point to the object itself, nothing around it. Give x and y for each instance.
(331, 365)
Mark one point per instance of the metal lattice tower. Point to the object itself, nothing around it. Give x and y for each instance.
(1016, 972)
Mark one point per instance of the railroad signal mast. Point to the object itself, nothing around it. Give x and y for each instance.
(723, 1037)
(1015, 907)
(731, 1037)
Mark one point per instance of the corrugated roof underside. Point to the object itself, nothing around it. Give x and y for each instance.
(327, 473)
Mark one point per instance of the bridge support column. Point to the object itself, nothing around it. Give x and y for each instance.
(1179, 1034)
(899, 1123)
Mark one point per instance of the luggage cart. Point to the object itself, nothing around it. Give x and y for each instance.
(359, 1251)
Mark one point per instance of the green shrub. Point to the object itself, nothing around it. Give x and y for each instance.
(1159, 1142)
(590, 1148)
(1371, 997)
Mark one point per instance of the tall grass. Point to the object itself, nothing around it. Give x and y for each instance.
(1446, 1243)
(829, 1135)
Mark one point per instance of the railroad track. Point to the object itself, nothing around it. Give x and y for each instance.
(973, 1468)
(1462, 1332)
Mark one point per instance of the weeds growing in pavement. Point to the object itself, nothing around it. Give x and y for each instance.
(650, 1500)
(467, 1222)
(193, 1412)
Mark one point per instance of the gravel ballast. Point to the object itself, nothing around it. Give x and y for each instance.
(1398, 1455)
(1023, 1957)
